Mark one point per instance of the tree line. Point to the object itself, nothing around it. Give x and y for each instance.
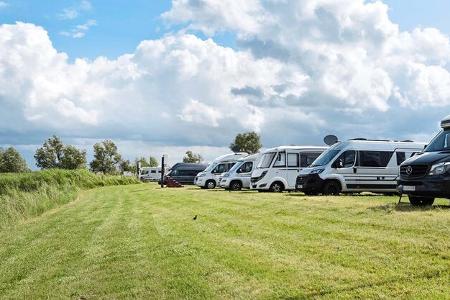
(107, 159)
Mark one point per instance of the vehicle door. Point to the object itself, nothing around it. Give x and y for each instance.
(218, 170)
(279, 166)
(244, 173)
(292, 168)
(344, 166)
(376, 170)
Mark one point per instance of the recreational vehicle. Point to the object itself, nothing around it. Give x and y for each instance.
(150, 173)
(357, 165)
(239, 175)
(209, 178)
(427, 175)
(279, 167)
(185, 173)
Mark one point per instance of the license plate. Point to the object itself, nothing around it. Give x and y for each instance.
(299, 186)
(408, 188)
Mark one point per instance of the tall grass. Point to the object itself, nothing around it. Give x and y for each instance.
(27, 195)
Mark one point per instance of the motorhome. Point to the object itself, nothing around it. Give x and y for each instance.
(150, 173)
(357, 165)
(279, 167)
(240, 174)
(209, 178)
(426, 176)
(185, 173)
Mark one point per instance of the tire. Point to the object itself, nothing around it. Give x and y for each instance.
(277, 187)
(210, 184)
(420, 201)
(235, 186)
(332, 188)
(310, 193)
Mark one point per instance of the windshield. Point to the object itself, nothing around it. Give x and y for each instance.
(235, 167)
(440, 143)
(325, 157)
(266, 160)
(210, 167)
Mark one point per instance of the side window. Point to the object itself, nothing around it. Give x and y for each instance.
(401, 157)
(346, 160)
(292, 160)
(306, 159)
(246, 167)
(280, 160)
(218, 169)
(144, 172)
(230, 165)
(174, 173)
(153, 171)
(374, 159)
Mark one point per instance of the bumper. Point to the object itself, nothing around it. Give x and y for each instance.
(259, 186)
(224, 183)
(438, 187)
(311, 183)
(199, 181)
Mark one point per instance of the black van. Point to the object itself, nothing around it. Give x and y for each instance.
(426, 175)
(185, 173)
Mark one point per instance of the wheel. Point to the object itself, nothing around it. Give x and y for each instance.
(235, 186)
(276, 187)
(310, 193)
(420, 201)
(210, 184)
(332, 188)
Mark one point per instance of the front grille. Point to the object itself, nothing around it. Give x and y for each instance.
(254, 179)
(416, 171)
(300, 180)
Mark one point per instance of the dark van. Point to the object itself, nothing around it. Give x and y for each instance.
(426, 176)
(185, 173)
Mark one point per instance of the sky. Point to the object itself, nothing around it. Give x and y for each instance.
(170, 76)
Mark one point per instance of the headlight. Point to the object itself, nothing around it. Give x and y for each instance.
(201, 175)
(439, 169)
(316, 171)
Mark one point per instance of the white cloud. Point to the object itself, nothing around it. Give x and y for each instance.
(73, 12)
(3, 4)
(80, 30)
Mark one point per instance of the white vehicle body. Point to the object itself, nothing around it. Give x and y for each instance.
(279, 167)
(239, 175)
(357, 165)
(210, 177)
(150, 173)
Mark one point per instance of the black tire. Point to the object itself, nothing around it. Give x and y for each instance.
(420, 201)
(310, 193)
(210, 184)
(332, 188)
(277, 187)
(236, 185)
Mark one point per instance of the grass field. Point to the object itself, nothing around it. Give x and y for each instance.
(140, 241)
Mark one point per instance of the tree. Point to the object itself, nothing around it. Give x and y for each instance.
(246, 142)
(126, 166)
(106, 158)
(54, 154)
(191, 157)
(12, 162)
(153, 162)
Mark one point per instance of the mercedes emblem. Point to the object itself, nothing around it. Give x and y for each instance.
(409, 170)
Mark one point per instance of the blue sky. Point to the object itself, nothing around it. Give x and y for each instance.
(122, 25)
(343, 68)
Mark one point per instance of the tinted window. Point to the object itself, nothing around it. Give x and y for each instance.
(220, 168)
(292, 159)
(246, 167)
(280, 160)
(401, 157)
(325, 158)
(346, 159)
(374, 159)
(440, 143)
(153, 171)
(306, 159)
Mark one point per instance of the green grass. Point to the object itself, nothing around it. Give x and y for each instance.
(26, 195)
(140, 241)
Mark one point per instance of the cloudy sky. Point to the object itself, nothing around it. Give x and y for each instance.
(169, 76)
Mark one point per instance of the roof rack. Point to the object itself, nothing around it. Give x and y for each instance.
(375, 140)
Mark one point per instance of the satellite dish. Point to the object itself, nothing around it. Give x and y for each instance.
(330, 140)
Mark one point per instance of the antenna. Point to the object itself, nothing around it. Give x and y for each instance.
(330, 140)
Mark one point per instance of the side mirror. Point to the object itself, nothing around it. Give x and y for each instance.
(425, 147)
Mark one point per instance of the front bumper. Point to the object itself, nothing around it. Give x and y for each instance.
(199, 181)
(224, 183)
(310, 183)
(431, 186)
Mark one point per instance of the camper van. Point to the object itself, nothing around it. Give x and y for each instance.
(427, 175)
(279, 167)
(209, 178)
(239, 175)
(185, 173)
(150, 173)
(357, 165)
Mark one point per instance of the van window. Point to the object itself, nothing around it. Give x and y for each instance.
(153, 171)
(347, 158)
(401, 157)
(280, 160)
(374, 159)
(220, 168)
(292, 160)
(246, 167)
(230, 165)
(306, 159)
(144, 172)
(266, 160)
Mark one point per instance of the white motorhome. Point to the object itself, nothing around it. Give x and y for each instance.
(150, 173)
(239, 175)
(279, 167)
(210, 177)
(357, 165)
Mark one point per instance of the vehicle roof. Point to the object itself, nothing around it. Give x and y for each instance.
(368, 145)
(231, 157)
(251, 157)
(445, 123)
(302, 148)
(190, 166)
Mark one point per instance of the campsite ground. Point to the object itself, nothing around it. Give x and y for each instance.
(141, 241)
